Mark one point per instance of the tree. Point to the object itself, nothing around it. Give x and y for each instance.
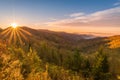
(101, 67)
(76, 62)
(86, 68)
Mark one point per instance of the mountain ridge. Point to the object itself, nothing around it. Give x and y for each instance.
(59, 38)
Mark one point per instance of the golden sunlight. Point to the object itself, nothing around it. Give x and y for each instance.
(14, 25)
(15, 35)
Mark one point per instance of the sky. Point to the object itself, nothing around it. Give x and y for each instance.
(73, 16)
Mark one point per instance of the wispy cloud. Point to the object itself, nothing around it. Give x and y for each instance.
(105, 18)
(77, 14)
(53, 19)
(117, 3)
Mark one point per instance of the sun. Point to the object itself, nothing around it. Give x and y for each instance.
(15, 35)
(14, 25)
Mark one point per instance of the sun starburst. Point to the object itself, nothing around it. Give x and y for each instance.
(15, 35)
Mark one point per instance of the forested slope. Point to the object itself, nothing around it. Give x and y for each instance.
(47, 55)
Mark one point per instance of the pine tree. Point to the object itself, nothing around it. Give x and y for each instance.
(101, 67)
(86, 68)
(77, 61)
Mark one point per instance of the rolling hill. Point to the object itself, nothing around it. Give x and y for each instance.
(84, 43)
(57, 39)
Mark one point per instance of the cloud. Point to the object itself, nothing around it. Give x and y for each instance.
(117, 3)
(53, 19)
(105, 18)
(76, 14)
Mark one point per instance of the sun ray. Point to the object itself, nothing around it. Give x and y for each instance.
(10, 38)
(19, 38)
(7, 33)
(22, 35)
(15, 35)
(26, 32)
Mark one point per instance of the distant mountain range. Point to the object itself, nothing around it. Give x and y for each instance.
(64, 39)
